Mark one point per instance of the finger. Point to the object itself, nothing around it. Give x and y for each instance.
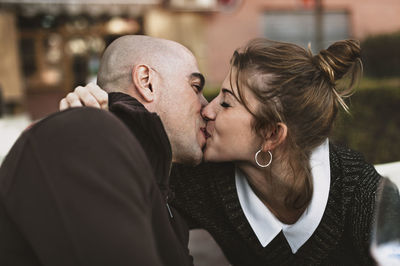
(63, 104)
(86, 97)
(73, 100)
(100, 95)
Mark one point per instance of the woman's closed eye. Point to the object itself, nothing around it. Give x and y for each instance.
(225, 104)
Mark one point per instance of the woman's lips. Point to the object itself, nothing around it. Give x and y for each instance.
(209, 128)
(205, 132)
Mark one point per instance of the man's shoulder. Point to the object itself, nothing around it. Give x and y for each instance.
(80, 117)
(76, 138)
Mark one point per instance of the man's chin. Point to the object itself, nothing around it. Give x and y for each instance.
(193, 160)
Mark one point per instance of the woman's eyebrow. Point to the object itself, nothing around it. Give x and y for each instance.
(227, 91)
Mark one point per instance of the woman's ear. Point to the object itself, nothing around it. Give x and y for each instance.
(142, 77)
(274, 137)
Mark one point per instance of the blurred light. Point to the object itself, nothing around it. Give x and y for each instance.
(119, 25)
(116, 25)
(77, 46)
(55, 39)
(193, 4)
(96, 44)
(51, 76)
(206, 3)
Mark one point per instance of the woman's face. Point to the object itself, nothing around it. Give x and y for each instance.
(232, 137)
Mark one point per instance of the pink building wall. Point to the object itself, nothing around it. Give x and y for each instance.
(224, 32)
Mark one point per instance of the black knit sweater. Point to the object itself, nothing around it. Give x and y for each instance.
(206, 195)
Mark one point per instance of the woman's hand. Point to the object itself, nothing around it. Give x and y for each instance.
(90, 95)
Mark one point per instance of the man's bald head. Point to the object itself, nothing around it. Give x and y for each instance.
(124, 53)
(162, 75)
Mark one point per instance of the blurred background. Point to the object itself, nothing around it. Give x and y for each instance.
(48, 47)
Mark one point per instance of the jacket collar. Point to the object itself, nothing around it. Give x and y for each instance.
(150, 132)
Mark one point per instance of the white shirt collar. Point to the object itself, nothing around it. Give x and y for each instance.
(266, 226)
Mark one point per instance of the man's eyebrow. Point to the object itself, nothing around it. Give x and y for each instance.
(198, 76)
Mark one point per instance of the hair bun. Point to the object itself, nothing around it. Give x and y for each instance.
(339, 59)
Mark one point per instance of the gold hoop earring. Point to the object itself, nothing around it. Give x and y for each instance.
(263, 165)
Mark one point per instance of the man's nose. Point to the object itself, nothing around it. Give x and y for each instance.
(203, 101)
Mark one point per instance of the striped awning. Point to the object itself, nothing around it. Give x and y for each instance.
(83, 2)
(75, 7)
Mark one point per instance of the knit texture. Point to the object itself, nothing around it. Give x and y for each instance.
(206, 196)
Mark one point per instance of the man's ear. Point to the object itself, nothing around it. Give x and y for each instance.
(142, 78)
(274, 137)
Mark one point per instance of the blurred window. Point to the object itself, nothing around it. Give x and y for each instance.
(300, 26)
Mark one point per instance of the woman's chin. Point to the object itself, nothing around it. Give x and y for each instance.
(208, 154)
(211, 156)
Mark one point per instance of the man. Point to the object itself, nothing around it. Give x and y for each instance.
(163, 76)
(154, 87)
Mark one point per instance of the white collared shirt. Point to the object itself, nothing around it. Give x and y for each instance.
(266, 226)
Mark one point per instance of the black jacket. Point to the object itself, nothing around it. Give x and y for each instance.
(78, 189)
(149, 131)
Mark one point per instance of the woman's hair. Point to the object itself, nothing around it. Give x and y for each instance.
(300, 90)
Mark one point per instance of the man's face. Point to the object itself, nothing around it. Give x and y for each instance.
(179, 107)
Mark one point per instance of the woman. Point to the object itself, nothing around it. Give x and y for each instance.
(287, 196)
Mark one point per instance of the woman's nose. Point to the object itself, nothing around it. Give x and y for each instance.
(209, 112)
